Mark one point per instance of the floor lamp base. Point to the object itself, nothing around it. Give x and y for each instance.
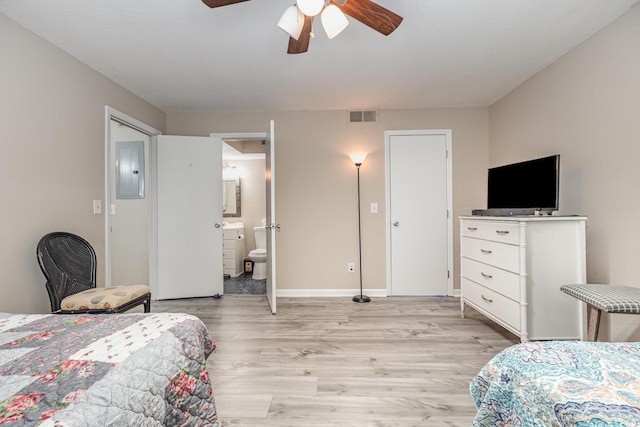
(361, 298)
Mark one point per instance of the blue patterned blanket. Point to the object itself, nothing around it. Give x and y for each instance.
(558, 383)
(99, 370)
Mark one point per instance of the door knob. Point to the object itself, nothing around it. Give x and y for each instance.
(396, 224)
(218, 225)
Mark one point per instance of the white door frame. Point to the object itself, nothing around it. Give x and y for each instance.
(120, 117)
(261, 136)
(272, 226)
(242, 135)
(447, 133)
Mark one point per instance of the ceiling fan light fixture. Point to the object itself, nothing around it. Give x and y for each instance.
(333, 20)
(310, 7)
(292, 21)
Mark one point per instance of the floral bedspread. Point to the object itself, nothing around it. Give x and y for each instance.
(99, 370)
(558, 383)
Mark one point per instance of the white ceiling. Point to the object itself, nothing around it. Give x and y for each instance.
(182, 55)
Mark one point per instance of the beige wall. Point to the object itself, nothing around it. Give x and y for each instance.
(52, 111)
(586, 107)
(316, 184)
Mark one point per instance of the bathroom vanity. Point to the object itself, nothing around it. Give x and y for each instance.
(233, 249)
(512, 269)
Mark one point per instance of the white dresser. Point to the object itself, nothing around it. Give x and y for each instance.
(512, 269)
(233, 251)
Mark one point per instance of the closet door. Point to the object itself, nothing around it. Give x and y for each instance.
(418, 202)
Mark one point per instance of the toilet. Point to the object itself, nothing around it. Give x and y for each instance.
(259, 254)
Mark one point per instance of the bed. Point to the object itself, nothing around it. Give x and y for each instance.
(560, 383)
(146, 369)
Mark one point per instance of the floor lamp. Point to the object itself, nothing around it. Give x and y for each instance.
(358, 159)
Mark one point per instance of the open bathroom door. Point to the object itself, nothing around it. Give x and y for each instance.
(271, 224)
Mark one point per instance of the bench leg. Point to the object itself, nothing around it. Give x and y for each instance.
(147, 305)
(594, 323)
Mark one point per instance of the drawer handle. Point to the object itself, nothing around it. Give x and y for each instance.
(502, 232)
(472, 228)
(486, 299)
(486, 276)
(486, 251)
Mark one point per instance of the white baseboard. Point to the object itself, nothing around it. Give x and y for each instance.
(319, 293)
(301, 293)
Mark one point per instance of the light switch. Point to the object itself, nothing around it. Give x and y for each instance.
(374, 208)
(97, 207)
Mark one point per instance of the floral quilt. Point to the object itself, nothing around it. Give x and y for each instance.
(105, 370)
(557, 383)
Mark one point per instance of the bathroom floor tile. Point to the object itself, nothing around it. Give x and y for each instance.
(244, 284)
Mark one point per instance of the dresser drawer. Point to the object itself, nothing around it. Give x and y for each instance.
(505, 232)
(229, 254)
(503, 282)
(499, 255)
(500, 307)
(229, 264)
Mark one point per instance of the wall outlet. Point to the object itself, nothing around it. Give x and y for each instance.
(351, 267)
(374, 208)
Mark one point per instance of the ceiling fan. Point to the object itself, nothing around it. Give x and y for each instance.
(366, 11)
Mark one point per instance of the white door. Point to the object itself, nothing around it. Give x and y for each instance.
(419, 242)
(189, 217)
(272, 226)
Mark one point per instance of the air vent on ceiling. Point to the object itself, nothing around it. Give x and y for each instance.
(363, 116)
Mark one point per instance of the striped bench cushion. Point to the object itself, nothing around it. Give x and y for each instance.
(608, 298)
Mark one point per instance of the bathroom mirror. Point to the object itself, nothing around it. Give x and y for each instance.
(231, 197)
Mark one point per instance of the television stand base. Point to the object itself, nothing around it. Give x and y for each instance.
(503, 212)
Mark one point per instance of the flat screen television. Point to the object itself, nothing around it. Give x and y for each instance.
(525, 187)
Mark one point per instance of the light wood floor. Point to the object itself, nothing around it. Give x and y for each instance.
(333, 362)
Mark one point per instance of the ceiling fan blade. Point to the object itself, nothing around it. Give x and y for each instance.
(218, 3)
(302, 44)
(370, 14)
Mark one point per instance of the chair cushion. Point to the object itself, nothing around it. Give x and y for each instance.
(104, 298)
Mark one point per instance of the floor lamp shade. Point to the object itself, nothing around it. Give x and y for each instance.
(358, 158)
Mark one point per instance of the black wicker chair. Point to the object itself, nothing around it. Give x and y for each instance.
(68, 263)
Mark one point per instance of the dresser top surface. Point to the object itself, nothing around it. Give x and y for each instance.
(532, 218)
